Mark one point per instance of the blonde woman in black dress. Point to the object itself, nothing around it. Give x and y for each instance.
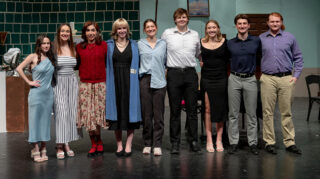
(214, 81)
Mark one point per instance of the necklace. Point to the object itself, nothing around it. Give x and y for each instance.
(121, 45)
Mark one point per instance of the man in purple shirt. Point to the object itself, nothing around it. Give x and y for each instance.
(280, 56)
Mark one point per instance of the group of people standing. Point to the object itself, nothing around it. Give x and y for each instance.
(123, 83)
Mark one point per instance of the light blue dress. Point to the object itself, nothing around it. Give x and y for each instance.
(41, 102)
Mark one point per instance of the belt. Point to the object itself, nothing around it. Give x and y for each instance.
(242, 75)
(281, 74)
(181, 69)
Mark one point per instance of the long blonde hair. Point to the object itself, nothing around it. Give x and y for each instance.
(219, 35)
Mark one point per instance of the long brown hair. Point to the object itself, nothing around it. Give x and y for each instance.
(219, 35)
(84, 30)
(38, 49)
(57, 41)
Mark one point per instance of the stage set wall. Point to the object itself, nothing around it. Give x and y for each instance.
(24, 20)
(301, 18)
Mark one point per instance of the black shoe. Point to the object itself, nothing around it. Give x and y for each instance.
(127, 154)
(194, 146)
(254, 149)
(175, 149)
(294, 149)
(92, 154)
(271, 149)
(120, 153)
(233, 148)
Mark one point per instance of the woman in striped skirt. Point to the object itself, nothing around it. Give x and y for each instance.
(65, 92)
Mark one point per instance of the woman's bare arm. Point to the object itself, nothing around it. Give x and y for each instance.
(28, 61)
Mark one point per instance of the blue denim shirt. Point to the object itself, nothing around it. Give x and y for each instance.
(152, 62)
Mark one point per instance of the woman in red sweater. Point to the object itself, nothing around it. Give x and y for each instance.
(91, 56)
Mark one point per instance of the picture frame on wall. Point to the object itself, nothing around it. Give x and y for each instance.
(198, 8)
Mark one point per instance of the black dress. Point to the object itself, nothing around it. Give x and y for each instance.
(121, 68)
(214, 80)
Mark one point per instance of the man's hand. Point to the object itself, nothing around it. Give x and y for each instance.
(293, 79)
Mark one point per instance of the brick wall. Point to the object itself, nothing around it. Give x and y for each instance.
(24, 20)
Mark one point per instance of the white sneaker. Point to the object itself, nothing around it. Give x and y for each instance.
(157, 151)
(146, 150)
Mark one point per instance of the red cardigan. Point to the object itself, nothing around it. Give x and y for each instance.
(92, 61)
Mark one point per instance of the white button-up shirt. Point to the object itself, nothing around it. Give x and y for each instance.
(182, 47)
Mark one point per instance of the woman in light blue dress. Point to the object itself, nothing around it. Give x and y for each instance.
(40, 98)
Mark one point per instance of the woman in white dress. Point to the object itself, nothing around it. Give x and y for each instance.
(65, 91)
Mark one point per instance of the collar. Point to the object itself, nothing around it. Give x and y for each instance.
(175, 30)
(247, 39)
(269, 33)
(145, 41)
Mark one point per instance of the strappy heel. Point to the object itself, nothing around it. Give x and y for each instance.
(36, 156)
(44, 155)
(220, 149)
(60, 155)
(70, 153)
(210, 148)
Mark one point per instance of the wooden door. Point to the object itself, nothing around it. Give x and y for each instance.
(258, 24)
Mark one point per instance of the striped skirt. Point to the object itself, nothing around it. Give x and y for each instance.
(65, 108)
(92, 106)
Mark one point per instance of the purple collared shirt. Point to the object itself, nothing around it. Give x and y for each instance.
(280, 53)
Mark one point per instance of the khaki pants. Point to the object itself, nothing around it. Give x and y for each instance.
(273, 88)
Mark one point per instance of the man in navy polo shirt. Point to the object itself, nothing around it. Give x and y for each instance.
(243, 50)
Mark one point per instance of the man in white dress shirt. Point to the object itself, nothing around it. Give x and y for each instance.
(183, 47)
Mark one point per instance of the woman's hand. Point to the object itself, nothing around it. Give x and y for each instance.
(34, 83)
(201, 64)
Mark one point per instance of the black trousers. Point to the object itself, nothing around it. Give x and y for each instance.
(182, 83)
(152, 107)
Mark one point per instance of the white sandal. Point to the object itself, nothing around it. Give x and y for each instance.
(36, 156)
(60, 155)
(70, 153)
(44, 155)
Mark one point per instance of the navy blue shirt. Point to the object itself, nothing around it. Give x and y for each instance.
(244, 53)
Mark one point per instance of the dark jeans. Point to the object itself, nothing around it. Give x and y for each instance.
(152, 106)
(182, 83)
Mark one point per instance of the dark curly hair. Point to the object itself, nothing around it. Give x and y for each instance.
(84, 37)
